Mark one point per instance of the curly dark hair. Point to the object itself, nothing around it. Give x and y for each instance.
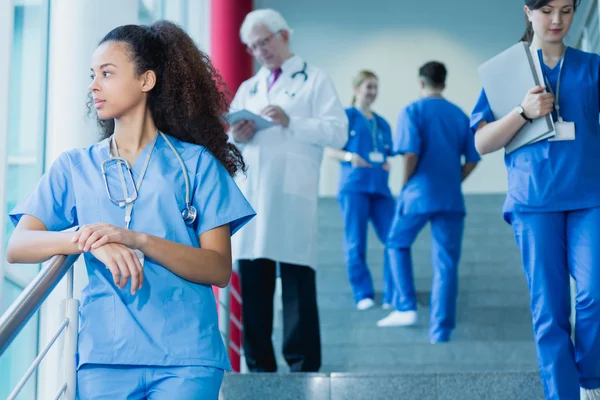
(189, 96)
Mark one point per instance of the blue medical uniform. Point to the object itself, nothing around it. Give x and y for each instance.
(364, 194)
(437, 131)
(553, 206)
(169, 322)
(141, 383)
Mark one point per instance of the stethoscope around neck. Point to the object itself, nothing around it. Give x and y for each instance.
(302, 73)
(189, 213)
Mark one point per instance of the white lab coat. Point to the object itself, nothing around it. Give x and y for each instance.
(282, 180)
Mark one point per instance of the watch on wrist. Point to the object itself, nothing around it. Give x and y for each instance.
(521, 112)
(348, 157)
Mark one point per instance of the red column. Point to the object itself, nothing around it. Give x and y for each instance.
(227, 51)
(228, 55)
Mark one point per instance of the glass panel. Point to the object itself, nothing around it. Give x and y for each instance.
(26, 134)
(20, 354)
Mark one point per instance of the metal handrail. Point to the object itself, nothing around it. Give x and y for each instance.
(32, 297)
(28, 303)
(38, 360)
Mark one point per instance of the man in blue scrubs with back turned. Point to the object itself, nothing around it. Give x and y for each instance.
(433, 135)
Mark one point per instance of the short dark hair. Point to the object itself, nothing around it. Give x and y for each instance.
(434, 74)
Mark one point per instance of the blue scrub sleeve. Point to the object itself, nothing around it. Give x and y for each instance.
(481, 112)
(408, 138)
(53, 200)
(350, 116)
(217, 198)
(387, 136)
(469, 150)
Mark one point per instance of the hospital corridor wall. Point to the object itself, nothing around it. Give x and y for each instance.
(394, 38)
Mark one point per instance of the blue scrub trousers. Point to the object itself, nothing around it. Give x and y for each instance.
(357, 209)
(554, 246)
(446, 231)
(111, 382)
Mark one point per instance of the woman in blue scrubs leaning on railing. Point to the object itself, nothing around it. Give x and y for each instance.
(155, 205)
(363, 189)
(553, 200)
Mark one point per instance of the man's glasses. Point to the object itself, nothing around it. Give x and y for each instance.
(260, 44)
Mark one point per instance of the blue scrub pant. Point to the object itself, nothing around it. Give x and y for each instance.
(357, 209)
(553, 247)
(111, 382)
(446, 231)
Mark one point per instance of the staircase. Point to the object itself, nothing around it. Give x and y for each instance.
(491, 355)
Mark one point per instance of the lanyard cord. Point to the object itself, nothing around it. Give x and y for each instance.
(556, 97)
(374, 130)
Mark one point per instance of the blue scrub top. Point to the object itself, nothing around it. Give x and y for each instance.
(360, 140)
(170, 321)
(563, 175)
(437, 131)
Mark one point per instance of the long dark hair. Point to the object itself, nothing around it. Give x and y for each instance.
(189, 96)
(536, 5)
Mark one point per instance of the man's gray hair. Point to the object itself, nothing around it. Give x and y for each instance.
(268, 17)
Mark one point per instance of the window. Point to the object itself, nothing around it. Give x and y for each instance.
(26, 133)
(589, 39)
(150, 11)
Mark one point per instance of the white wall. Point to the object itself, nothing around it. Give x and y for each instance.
(395, 37)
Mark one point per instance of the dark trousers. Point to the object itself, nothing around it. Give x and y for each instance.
(301, 334)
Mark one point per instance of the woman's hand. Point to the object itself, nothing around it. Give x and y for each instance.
(358, 161)
(537, 103)
(123, 264)
(93, 236)
(386, 166)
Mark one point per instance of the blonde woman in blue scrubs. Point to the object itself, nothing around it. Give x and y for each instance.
(553, 200)
(364, 193)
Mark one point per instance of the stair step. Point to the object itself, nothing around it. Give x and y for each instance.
(384, 386)
(503, 255)
(437, 368)
(338, 271)
(468, 299)
(485, 316)
(508, 285)
(418, 335)
(416, 354)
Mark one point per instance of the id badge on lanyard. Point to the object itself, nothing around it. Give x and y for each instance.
(375, 156)
(563, 130)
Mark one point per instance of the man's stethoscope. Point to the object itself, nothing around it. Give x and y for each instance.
(302, 73)
(189, 213)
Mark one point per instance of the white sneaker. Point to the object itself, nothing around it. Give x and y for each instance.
(365, 304)
(590, 394)
(386, 306)
(399, 318)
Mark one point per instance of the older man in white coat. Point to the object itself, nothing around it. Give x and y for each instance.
(282, 184)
